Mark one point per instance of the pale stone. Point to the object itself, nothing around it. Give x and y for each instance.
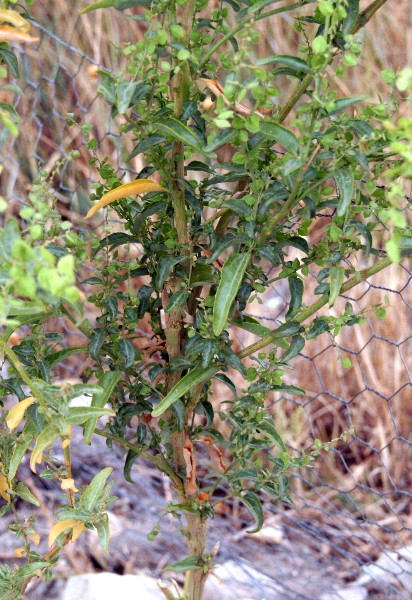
(349, 593)
(107, 586)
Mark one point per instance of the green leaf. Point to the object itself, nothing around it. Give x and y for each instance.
(77, 415)
(320, 325)
(270, 430)
(45, 439)
(177, 299)
(96, 343)
(9, 58)
(187, 564)
(287, 329)
(17, 456)
(343, 103)
(254, 506)
(230, 281)
(128, 463)
(352, 14)
(281, 135)
(225, 137)
(193, 378)
(164, 268)
(296, 294)
(345, 181)
(92, 494)
(176, 130)
(107, 381)
(103, 531)
(128, 352)
(293, 62)
(57, 357)
(337, 275)
(252, 325)
(296, 345)
(96, 5)
(23, 492)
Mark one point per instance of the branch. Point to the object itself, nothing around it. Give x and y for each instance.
(305, 314)
(367, 14)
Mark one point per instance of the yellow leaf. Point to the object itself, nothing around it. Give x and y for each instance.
(65, 525)
(35, 538)
(11, 34)
(19, 552)
(13, 18)
(68, 484)
(16, 414)
(140, 186)
(77, 530)
(3, 487)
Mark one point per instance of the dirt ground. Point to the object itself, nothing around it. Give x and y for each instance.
(299, 563)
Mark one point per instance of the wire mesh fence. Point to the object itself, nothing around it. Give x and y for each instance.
(352, 519)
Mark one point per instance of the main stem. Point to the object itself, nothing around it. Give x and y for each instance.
(195, 523)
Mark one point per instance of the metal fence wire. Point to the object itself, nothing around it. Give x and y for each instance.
(351, 523)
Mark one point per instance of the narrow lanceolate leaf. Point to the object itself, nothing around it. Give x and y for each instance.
(16, 414)
(178, 131)
(293, 62)
(45, 439)
(77, 415)
(254, 506)
(17, 456)
(94, 490)
(267, 427)
(345, 181)
(107, 381)
(296, 345)
(230, 282)
(134, 188)
(352, 13)
(23, 492)
(194, 377)
(280, 134)
(103, 531)
(337, 275)
(187, 564)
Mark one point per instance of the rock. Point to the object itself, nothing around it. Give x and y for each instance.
(392, 567)
(237, 579)
(106, 586)
(351, 592)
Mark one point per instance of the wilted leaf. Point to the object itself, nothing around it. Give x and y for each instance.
(65, 525)
(190, 462)
(16, 414)
(13, 18)
(10, 34)
(138, 187)
(3, 487)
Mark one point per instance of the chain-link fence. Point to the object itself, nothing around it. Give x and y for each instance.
(351, 525)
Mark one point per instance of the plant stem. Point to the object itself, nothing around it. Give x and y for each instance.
(367, 14)
(243, 24)
(15, 362)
